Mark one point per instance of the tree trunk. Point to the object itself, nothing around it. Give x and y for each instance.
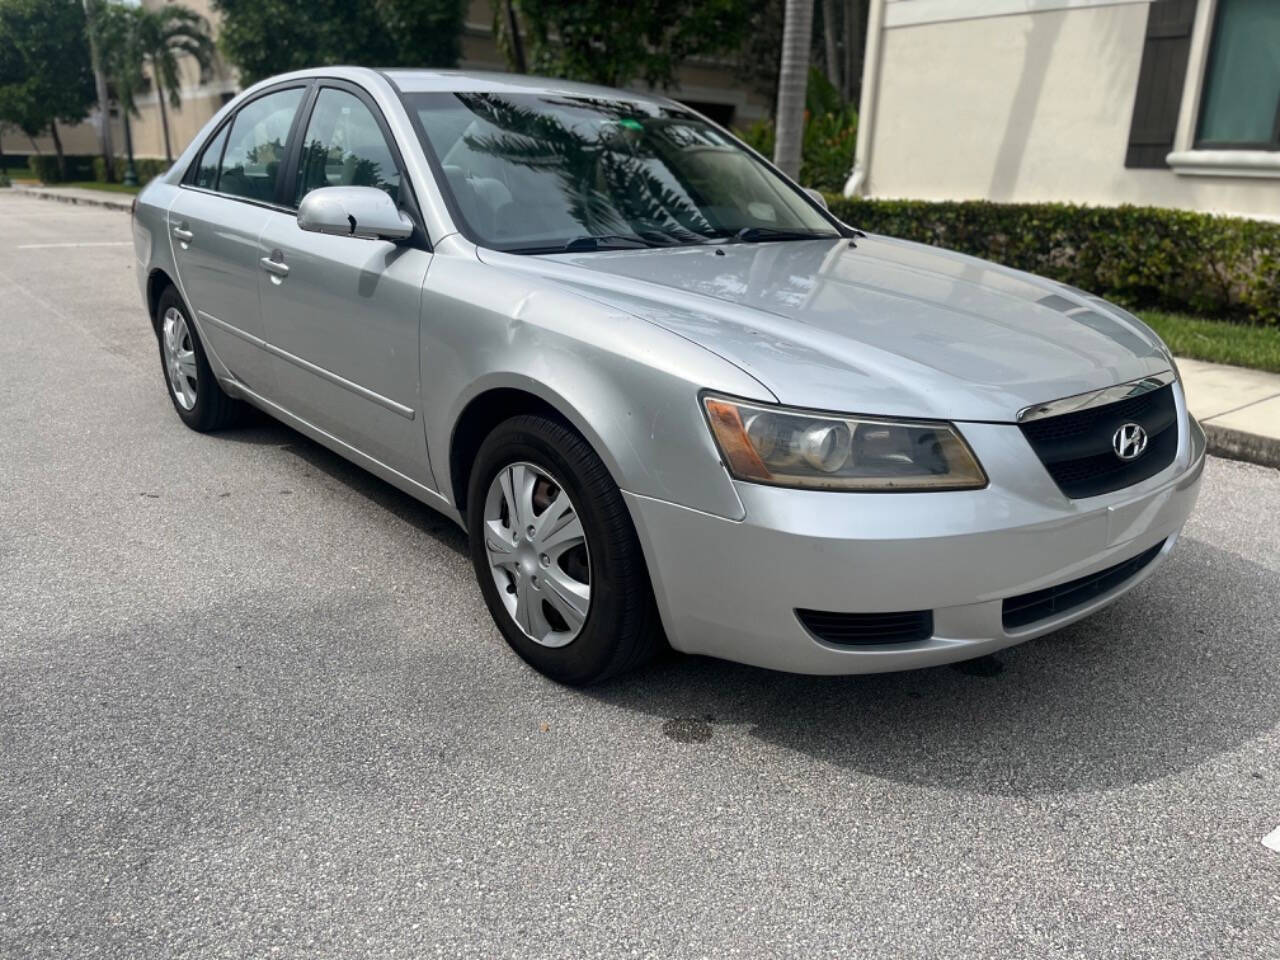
(514, 38)
(164, 120)
(854, 41)
(829, 30)
(128, 136)
(57, 145)
(793, 76)
(104, 106)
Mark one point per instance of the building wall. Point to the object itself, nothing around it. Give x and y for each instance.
(702, 81)
(1026, 106)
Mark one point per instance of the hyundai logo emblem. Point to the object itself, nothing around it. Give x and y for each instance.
(1129, 442)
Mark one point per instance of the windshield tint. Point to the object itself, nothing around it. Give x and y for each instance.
(540, 172)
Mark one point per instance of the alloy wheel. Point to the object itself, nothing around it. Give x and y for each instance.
(537, 551)
(179, 357)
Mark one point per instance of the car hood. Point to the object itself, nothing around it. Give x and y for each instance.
(882, 327)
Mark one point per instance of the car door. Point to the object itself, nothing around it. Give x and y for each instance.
(342, 313)
(214, 225)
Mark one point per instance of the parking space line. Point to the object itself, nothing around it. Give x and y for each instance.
(1272, 840)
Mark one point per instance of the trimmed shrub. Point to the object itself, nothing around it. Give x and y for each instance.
(44, 167)
(1141, 257)
(147, 168)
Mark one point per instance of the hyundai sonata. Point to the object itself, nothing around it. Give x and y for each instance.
(665, 391)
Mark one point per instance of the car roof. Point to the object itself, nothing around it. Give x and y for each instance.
(419, 80)
(477, 81)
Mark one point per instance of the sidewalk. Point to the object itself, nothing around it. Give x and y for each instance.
(80, 195)
(1238, 408)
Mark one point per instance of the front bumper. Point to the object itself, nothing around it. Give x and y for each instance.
(730, 588)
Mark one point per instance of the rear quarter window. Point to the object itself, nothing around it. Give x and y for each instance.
(206, 175)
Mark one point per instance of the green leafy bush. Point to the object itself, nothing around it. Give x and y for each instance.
(1148, 257)
(147, 169)
(830, 134)
(44, 167)
(4, 180)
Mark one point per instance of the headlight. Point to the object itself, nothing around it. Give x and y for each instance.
(796, 448)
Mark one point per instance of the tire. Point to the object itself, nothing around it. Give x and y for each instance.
(201, 403)
(620, 629)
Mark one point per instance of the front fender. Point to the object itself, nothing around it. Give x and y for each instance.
(630, 388)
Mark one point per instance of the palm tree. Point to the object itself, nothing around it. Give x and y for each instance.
(91, 10)
(165, 34)
(117, 31)
(797, 31)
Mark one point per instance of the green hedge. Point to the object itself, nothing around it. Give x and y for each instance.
(44, 167)
(147, 168)
(1152, 257)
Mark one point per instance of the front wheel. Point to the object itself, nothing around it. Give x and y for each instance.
(556, 555)
(199, 400)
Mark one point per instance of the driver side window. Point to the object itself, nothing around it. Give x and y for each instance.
(344, 146)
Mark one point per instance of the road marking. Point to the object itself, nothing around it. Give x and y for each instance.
(1272, 840)
(99, 243)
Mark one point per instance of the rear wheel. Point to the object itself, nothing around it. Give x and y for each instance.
(556, 555)
(199, 400)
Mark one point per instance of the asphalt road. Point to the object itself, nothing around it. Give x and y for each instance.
(251, 705)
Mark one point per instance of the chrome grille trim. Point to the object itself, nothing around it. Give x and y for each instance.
(1096, 398)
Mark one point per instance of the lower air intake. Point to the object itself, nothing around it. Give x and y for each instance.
(860, 629)
(1051, 601)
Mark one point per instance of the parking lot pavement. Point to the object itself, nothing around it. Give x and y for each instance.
(251, 704)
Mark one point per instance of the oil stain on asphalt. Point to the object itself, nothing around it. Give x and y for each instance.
(687, 730)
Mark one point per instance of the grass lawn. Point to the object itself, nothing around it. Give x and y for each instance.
(95, 185)
(1218, 342)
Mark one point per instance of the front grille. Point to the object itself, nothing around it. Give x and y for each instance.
(1051, 601)
(856, 629)
(1076, 447)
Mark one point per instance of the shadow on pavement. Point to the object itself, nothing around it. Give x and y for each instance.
(1179, 671)
(262, 430)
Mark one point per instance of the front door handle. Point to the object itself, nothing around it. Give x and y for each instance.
(274, 267)
(186, 236)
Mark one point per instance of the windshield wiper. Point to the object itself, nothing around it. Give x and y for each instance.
(589, 242)
(758, 234)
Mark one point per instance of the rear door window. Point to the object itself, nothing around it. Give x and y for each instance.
(256, 146)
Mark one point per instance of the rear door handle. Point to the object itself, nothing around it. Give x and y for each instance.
(274, 267)
(186, 236)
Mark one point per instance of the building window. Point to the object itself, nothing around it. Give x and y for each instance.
(1240, 108)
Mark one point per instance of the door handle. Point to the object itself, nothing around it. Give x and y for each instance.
(186, 236)
(274, 267)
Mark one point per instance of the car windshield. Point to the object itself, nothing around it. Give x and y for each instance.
(542, 173)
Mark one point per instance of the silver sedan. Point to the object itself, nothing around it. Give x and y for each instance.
(668, 395)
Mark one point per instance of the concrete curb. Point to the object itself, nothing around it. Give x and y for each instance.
(107, 201)
(1238, 445)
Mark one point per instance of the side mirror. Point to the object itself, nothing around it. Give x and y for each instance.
(363, 212)
(817, 197)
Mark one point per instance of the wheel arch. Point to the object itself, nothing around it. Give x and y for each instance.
(158, 280)
(491, 403)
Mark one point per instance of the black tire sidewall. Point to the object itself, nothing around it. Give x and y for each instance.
(612, 611)
(198, 417)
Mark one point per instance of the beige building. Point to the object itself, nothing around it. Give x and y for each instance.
(202, 94)
(707, 85)
(1170, 103)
